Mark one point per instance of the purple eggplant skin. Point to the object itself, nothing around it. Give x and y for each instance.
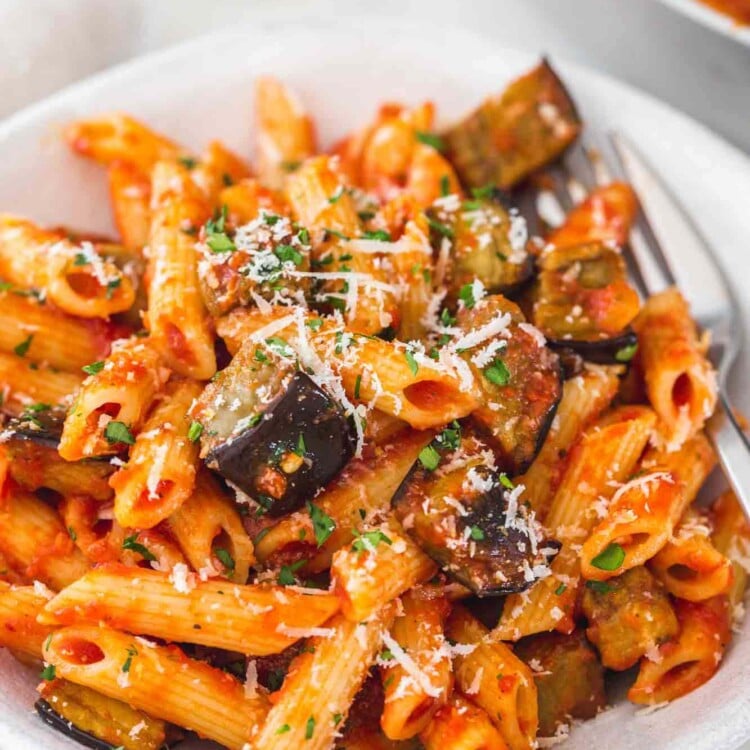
(601, 351)
(301, 442)
(52, 718)
(42, 426)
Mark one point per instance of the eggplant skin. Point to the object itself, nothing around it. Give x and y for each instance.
(43, 427)
(458, 517)
(52, 718)
(266, 460)
(601, 351)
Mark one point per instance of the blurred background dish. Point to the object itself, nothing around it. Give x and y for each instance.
(729, 17)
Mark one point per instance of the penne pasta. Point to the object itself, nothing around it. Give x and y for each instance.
(19, 629)
(731, 537)
(255, 619)
(25, 383)
(461, 725)
(130, 198)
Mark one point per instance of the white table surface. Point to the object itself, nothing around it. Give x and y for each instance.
(46, 44)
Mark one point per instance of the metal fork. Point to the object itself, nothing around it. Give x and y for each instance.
(666, 249)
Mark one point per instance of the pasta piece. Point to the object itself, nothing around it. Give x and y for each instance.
(320, 686)
(24, 382)
(36, 332)
(430, 175)
(371, 739)
(35, 543)
(160, 473)
(130, 198)
(19, 630)
(461, 725)
(381, 564)
(418, 678)
(177, 317)
(680, 381)
(689, 566)
(160, 680)
(731, 537)
(216, 169)
(285, 132)
(120, 138)
(120, 389)
(680, 666)
(584, 398)
(604, 457)
(259, 619)
(363, 488)
(71, 276)
(245, 199)
(207, 524)
(372, 370)
(500, 683)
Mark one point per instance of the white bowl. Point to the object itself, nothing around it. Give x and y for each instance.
(202, 90)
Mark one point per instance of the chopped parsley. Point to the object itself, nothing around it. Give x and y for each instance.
(337, 717)
(118, 432)
(429, 457)
(81, 259)
(610, 558)
(112, 285)
(413, 365)
(283, 729)
(505, 481)
(279, 346)
(223, 556)
(188, 162)
(476, 533)
(600, 587)
(369, 540)
(560, 589)
(48, 673)
(445, 185)
(323, 524)
(357, 384)
(310, 728)
(216, 237)
(431, 139)
(287, 253)
(626, 353)
(93, 368)
(129, 661)
(483, 192)
(497, 373)
(335, 233)
(450, 438)
(286, 574)
(439, 227)
(72, 533)
(466, 295)
(22, 348)
(336, 195)
(131, 542)
(195, 431)
(378, 234)
(314, 324)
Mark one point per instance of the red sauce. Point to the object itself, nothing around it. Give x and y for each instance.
(738, 10)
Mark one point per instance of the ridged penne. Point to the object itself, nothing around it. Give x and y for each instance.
(218, 168)
(24, 382)
(680, 381)
(122, 389)
(177, 317)
(161, 468)
(19, 629)
(498, 681)
(604, 457)
(252, 619)
(130, 198)
(461, 725)
(160, 680)
(731, 537)
(318, 690)
(72, 276)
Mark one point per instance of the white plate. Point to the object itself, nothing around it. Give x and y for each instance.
(711, 18)
(202, 90)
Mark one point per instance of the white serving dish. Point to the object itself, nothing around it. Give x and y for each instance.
(202, 89)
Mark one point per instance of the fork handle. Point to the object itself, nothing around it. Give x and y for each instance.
(733, 449)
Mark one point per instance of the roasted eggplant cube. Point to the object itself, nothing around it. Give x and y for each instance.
(515, 133)
(617, 350)
(472, 526)
(569, 678)
(628, 616)
(582, 299)
(301, 442)
(520, 383)
(98, 721)
(31, 442)
(489, 244)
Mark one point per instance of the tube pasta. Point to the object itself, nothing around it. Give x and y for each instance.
(680, 381)
(160, 473)
(25, 382)
(19, 629)
(217, 168)
(255, 619)
(606, 454)
(123, 390)
(35, 543)
(320, 686)
(160, 680)
(731, 537)
(72, 276)
(207, 521)
(682, 665)
(499, 682)
(246, 198)
(130, 198)
(177, 317)
(411, 703)
(365, 486)
(461, 725)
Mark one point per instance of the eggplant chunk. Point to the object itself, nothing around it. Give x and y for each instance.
(301, 442)
(468, 519)
(31, 442)
(582, 299)
(569, 678)
(628, 616)
(519, 379)
(259, 257)
(619, 349)
(97, 721)
(488, 243)
(515, 133)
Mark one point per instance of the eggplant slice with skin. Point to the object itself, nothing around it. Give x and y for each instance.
(512, 134)
(468, 518)
(582, 300)
(52, 718)
(301, 442)
(520, 383)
